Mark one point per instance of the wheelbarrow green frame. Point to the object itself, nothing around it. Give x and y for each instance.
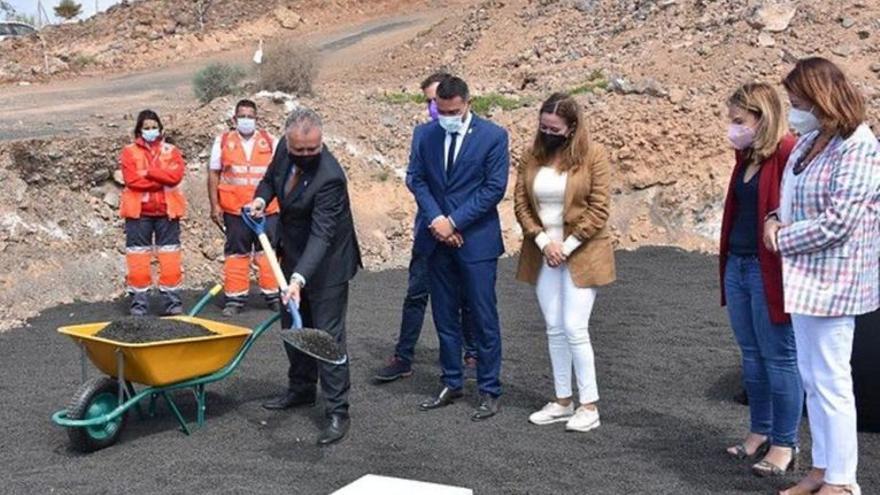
(128, 397)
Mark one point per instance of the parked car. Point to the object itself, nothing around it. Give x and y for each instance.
(9, 29)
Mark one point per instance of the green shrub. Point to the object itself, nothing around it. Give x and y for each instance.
(479, 104)
(289, 67)
(595, 81)
(81, 61)
(402, 98)
(68, 9)
(482, 104)
(217, 80)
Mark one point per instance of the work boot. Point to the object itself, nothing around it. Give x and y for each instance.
(273, 302)
(171, 303)
(231, 309)
(140, 303)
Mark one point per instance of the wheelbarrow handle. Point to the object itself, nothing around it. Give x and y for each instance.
(213, 291)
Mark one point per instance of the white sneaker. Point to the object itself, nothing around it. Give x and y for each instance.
(552, 413)
(583, 420)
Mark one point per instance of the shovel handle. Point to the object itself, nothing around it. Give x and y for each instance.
(269, 252)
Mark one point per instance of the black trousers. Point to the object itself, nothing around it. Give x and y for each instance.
(240, 239)
(323, 308)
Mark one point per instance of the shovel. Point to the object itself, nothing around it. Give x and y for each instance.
(316, 343)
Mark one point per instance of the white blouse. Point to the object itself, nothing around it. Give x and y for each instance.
(549, 191)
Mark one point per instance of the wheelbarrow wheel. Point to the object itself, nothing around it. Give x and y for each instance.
(94, 398)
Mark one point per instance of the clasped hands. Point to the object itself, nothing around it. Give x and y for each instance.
(554, 254)
(445, 232)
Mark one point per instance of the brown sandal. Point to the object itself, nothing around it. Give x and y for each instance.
(741, 452)
(766, 469)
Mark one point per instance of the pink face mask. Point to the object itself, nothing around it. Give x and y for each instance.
(740, 136)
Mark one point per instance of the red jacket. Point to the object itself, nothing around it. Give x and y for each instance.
(769, 190)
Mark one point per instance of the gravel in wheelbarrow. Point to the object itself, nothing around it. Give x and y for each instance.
(143, 329)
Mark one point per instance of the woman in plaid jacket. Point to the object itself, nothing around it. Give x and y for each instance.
(827, 231)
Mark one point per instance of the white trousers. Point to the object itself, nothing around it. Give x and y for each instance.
(566, 310)
(824, 350)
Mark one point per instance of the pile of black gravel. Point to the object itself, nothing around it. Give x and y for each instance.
(141, 329)
(666, 361)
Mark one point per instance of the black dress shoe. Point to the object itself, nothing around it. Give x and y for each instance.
(335, 430)
(444, 398)
(488, 407)
(290, 399)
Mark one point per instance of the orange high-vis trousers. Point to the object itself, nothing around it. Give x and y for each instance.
(241, 247)
(144, 238)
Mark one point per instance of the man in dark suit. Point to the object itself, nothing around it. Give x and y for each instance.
(458, 174)
(320, 254)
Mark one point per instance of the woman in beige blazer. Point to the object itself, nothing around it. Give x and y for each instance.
(562, 204)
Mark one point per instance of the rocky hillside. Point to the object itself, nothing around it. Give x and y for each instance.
(653, 76)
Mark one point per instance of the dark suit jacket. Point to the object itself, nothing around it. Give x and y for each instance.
(316, 231)
(469, 196)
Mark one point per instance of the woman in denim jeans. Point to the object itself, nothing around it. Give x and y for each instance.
(751, 280)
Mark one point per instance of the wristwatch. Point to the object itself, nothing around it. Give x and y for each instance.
(298, 279)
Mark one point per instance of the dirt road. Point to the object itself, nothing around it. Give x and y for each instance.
(78, 107)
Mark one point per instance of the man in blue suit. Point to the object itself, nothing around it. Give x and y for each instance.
(458, 174)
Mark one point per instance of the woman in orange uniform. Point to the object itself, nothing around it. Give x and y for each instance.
(152, 205)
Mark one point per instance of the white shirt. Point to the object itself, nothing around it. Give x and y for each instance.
(246, 142)
(459, 139)
(549, 191)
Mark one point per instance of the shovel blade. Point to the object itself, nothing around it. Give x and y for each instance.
(316, 343)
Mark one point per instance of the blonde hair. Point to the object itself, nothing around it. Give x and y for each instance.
(841, 106)
(575, 150)
(762, 101)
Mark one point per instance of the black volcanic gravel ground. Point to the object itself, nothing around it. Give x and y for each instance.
(141, 329)
(667, 369)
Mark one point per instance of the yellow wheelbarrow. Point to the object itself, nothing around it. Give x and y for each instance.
(98, 411)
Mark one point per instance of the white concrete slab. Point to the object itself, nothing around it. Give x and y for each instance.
(372, 484)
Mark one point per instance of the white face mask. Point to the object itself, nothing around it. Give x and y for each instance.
(451, 123)
(150, 135)
(803, 121)
(245, 126)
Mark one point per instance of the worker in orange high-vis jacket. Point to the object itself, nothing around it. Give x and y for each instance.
(239, 160)
(152, 205)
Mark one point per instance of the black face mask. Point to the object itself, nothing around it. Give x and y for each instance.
(305, 161)
(553, 142)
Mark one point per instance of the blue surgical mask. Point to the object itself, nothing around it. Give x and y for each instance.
(803, 121)
(451, 123)
(245, 126)
(150, 135)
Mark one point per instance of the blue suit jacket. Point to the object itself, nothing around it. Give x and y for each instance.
(470, 196)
